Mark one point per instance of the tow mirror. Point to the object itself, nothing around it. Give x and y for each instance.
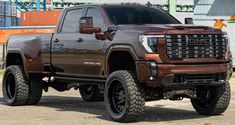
(112, 28)
(101, 36)
(188, 20)
(86, 26)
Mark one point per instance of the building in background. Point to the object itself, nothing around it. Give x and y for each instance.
(8, 18)
(205, 11)
(8, 14)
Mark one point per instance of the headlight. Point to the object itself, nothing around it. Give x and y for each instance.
(149, 42)
(228, 50)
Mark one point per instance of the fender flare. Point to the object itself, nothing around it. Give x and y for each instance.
(17, 51)
(122, 48)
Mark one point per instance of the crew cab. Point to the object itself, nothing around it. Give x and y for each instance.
(125, 55)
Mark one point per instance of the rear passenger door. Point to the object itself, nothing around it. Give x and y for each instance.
(63, 44)
(91, 55)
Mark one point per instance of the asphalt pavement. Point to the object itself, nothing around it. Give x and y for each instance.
(67, 108)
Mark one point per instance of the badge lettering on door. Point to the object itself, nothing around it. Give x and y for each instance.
(92, 63)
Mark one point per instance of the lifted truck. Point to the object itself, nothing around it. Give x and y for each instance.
(124, 55)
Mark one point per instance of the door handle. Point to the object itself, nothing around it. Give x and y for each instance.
(80, 40)
(83, 50)
(56, 40)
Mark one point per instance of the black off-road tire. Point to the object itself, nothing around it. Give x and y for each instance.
(95, 93)
(14, 86)
(35, 92)
(122, 86)
(217, 103)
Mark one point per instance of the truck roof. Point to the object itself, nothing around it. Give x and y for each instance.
(105, 5)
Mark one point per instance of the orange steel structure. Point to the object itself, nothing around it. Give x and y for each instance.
(40, 18)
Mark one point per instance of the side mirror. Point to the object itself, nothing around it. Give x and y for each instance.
(112, 28)
(101, 36)
(86, 26)
(188, 20)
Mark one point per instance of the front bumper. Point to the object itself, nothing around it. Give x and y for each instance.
(183, 74)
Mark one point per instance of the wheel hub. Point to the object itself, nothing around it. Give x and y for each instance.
(118, 98)
(10, 86)
(88, 89)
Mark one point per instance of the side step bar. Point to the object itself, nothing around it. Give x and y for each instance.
(80, 80)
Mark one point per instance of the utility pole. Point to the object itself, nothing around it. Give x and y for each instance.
(172, 7)
(44, 5)
(37, 5)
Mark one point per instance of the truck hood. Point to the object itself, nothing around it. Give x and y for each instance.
(163, 29)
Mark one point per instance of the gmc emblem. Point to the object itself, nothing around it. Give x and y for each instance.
(198, 41)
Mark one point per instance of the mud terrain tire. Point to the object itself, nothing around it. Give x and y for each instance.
(217, 103)
(124, 97)
(14, 86)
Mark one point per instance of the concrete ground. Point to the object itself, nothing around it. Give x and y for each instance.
(68, 108)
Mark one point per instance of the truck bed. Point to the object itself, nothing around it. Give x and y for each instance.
(6, 32)
(34, 47)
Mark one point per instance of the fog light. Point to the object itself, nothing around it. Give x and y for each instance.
(231, 63)
(153, 69)
(152, 78)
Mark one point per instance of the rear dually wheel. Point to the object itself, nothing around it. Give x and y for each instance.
(14, 86)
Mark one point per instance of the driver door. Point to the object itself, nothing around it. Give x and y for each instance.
(91, 51)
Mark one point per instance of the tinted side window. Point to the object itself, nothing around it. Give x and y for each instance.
(97, 17)
(139, 15)
(71, 21)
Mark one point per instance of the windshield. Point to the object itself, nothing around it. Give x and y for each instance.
(138, 15)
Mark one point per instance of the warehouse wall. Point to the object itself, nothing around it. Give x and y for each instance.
(207, 10)
(8, 18)
(8, 14)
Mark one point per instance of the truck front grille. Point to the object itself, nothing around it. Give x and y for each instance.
(195, 46)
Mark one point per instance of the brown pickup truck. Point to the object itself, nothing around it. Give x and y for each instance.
(124, 55)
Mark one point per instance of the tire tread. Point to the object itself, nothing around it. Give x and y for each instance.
(136, 96)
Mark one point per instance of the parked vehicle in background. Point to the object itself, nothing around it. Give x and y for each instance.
(124, 55)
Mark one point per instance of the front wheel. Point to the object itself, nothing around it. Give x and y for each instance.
(124, 97)
(212, 100)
